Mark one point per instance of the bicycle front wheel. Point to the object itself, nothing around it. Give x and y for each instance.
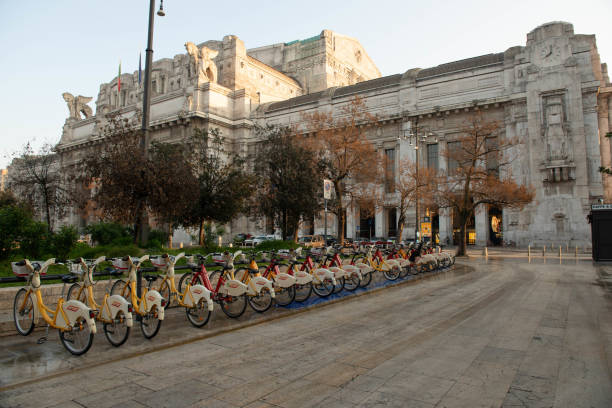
(405, 271)
(392, 273)
(23, 316)
(188, 278)
(339, 285)
(302, 292)
(121, 288)
(284, 296)
(77, 292)
(150, 324)
(117, 331)
(199, 314)
(351, 282)
(262, 301)
(233, 306)
(161, 285)
(79, 339)
(323, 288)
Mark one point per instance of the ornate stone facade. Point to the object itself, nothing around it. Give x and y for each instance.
(552, 94)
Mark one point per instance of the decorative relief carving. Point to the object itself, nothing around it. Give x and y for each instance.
(555, 128)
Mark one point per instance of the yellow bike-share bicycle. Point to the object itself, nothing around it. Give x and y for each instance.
(74, 320)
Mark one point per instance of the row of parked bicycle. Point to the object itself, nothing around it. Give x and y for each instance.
(232, 288)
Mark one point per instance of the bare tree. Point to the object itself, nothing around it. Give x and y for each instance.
(409, 181)
(477, 174)
(124, 182)
(36, 177)
(347, 157)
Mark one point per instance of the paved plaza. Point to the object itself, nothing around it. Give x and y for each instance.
(486, 334)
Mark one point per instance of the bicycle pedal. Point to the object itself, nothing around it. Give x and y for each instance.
(41, 340)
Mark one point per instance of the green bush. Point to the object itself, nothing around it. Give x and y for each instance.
(157, 238)
(106, 233)
(64, 241)
(276, 245)
(13, 221)
(36, 240)
(110, 251)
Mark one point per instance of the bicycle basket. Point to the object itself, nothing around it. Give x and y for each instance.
(120, 264)
(20, 270)
(159, 261)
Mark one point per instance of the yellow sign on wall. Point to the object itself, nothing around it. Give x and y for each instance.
(426, 229)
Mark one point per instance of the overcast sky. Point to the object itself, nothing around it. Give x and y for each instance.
(51, 47)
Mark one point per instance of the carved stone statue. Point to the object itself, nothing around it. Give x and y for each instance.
(208, 68)
(78, 105)
(201, 63)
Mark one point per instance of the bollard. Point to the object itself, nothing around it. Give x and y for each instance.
(486, 252)
(529, 251)
(544, 250)
(576, 251)
(559, 251)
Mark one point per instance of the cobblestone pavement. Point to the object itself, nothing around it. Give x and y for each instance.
(508, 333)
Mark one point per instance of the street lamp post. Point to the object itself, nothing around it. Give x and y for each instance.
(146, 108)
(417, 136)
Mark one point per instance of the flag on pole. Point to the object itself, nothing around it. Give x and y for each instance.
(119, 78)
(139, 67)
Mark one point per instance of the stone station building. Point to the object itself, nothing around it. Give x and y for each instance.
(553, 94)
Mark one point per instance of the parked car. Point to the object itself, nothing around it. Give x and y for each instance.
(240, 238)
(253, 242)
(311, 241)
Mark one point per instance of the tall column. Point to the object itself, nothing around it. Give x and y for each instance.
(603, 115)
(379, 217)
(446, 226)
(350, 222)
(481, 218)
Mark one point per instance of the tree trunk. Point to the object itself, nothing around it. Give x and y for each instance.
(295, 234)
(400, 230)
(170, 231)
(202, 235)
(284, 224)
(47, 209)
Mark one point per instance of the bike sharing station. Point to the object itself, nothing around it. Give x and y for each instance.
(286, 284)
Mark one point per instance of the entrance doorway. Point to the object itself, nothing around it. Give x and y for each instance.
(366, 227)
(495, 226)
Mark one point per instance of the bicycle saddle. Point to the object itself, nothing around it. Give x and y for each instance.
(149, 277)
(69, 278)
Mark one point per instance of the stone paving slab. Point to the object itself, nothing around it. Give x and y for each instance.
(506, 334)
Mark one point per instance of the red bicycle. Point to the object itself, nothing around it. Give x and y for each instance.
(224, 288)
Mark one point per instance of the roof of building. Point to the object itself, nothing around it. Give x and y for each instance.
(382, 82)
(298, 100)
(468, 63)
